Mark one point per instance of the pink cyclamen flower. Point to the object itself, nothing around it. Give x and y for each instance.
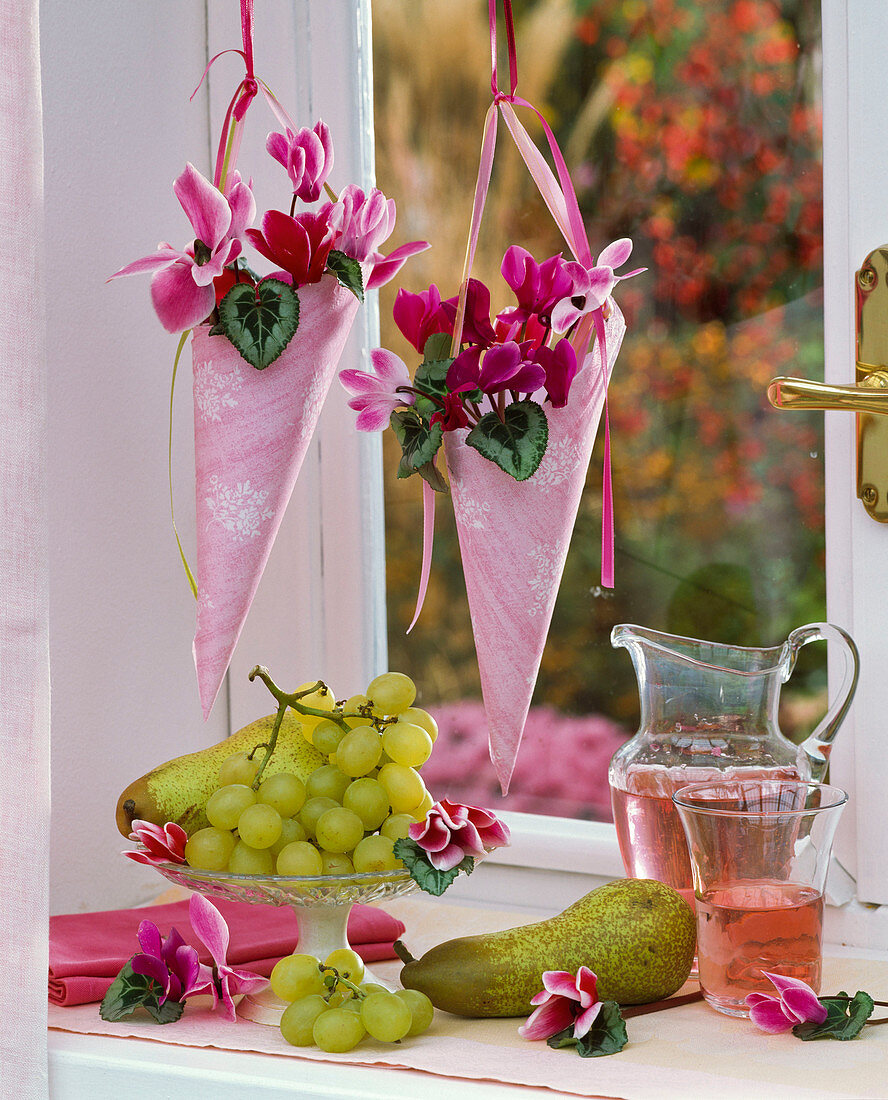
(164, 844)
(536, 286)
(796, 1003)
(477, 328)
(452, 414)
(299, 245)
(182, 281)
(564, 1001)
(307, 156)
(452, 831)
(209, 924)
(377, 395)
(363, 223)
(561, 367)
(420, 316)
(172, 963)
(592, 286)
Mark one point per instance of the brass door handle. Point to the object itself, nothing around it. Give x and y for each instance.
(869, 397)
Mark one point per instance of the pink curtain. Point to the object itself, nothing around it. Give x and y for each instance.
(24, 648)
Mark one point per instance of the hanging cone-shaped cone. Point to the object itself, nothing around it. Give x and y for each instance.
(513, 539)
(252, 429)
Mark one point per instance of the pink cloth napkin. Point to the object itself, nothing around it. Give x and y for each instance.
(87, 950)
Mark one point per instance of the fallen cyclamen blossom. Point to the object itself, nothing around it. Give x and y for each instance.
(165, 845)
(182, 289)
(564, 1001)
(299, 245)
(209, 924)
(172, 963)
(592, 286)
(796, 1003)
(376, 396)
(307, 156)
(452, 831)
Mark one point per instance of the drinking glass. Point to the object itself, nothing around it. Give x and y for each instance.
(759, 854)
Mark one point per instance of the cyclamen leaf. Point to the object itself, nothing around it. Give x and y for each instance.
(427, 877)
(130, 991)
(260, 321)
(516, 443)
(606, 1036)
(431, 377)
(347, 271)
(845, 1017)
(419, 445)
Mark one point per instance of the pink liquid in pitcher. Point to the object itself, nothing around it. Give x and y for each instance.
(748, 927)
(649, 830)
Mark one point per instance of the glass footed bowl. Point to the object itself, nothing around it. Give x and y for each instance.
(321, 905)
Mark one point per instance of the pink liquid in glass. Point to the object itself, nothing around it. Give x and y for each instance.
(747, 927)
(649, 830)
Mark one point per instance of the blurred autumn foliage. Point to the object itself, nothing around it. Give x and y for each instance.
(695, 129)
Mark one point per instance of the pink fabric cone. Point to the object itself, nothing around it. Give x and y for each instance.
(513, 539)
(252, 429)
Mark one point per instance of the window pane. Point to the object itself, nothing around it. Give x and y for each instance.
(695, 130)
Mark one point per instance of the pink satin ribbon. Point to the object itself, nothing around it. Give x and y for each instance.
(561, 200)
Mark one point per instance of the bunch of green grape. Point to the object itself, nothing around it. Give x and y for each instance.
(331, 1007)
(347, 815)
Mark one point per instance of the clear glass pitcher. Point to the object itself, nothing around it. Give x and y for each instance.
(707, 711)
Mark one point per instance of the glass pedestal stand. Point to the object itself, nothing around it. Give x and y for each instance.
(321, 905)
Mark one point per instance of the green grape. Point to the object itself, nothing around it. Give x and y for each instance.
(326, 736)
(337, 863)
(422, 1011)
(238, 768)
(373, 987)
(210, 849)
(419, 717)
(407, 744)
(291, 830)
(396, 827)
(312, 810)
(337, 1030)
(404, 787)
(392, 692)
(299, 858)
(259, 825)
(359, 751)
(327, 781)
(352, 706)
(349, 963)
(368, 800)
(297, 976)
(339, 830)
(284, 792)
(299, 1019)
(225, 805)
(375, 853)
(318, 700)
(386, 1017)
(421, 812)
(246, 860)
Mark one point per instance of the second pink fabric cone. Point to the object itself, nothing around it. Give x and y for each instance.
(252, 429)
(513, 539)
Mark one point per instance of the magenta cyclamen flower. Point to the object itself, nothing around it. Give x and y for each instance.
(452, 831)
(477, 328)
(420, 316)
(172, 963)
(495, 369)
(228, 981)
(592, 286)
(182, 284)
(536, 286)
(308, 157)
(565, 1001)
(561, 367)
(376, 396)
(796, 1003)
(164, 845)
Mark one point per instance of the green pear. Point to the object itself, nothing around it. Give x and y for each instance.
(637, 936)
(178, 790)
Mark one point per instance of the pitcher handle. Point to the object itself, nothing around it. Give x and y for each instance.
(818, 744)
